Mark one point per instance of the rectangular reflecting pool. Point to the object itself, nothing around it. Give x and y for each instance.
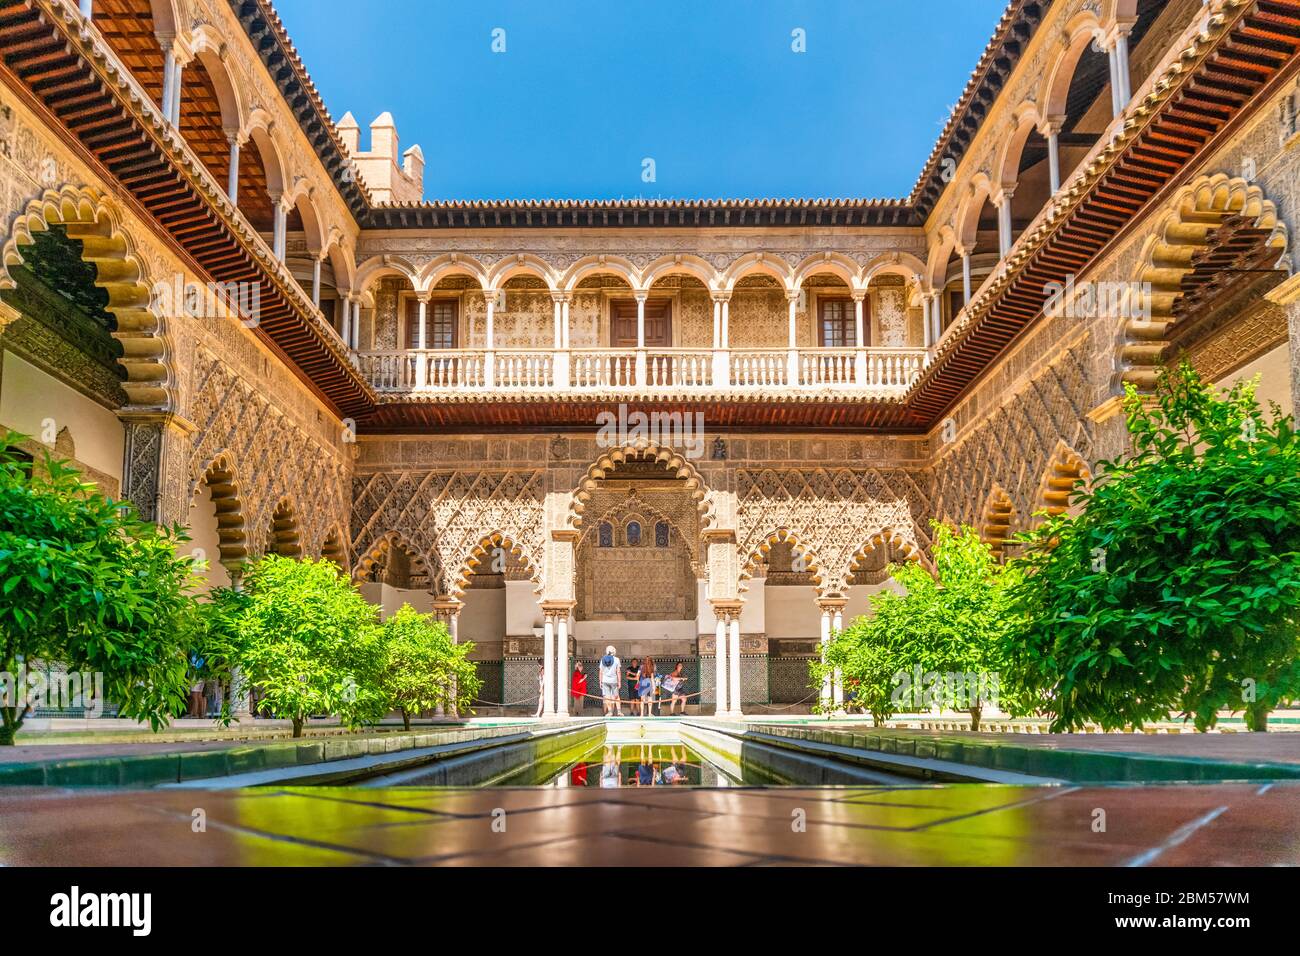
(612, 765)
(625, 755)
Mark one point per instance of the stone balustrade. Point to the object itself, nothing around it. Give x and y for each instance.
(879, 371)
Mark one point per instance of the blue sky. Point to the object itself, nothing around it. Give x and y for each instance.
(710, 90)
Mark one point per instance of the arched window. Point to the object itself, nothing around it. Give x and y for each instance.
(661, 534)
(605, 536)
(633, 534)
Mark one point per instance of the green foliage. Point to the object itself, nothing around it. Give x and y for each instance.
(306, 638)
(1177, 586)
(423, 668)
(85, 583)
(954, 621)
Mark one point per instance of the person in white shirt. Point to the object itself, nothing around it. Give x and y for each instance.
(610, 675)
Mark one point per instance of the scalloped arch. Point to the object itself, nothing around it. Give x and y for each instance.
(1210, 207)
(92, 219)
(675, 462)
(479, 551)
(765, 545)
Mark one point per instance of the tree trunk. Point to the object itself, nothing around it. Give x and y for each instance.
(297, 726)
(9, 725)
(1257, 717)
(975, 717)
(406, 719)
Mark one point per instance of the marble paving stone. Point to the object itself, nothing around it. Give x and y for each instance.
(958, 825)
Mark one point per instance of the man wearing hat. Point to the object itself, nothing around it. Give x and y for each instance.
(610, 675)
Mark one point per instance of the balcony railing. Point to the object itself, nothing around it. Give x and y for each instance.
(878, 371)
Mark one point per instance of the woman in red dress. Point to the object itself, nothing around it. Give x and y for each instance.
(579, 687)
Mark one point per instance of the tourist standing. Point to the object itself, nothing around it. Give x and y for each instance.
(633, 675)
(646, 687)
(579, 688)
(541, 689)
(675, 686)
(608, 674)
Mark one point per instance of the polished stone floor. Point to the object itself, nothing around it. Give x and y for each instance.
(1221, 824)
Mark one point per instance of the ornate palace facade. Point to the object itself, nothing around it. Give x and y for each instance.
(699, 430)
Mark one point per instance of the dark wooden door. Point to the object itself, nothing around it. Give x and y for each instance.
(658, 323)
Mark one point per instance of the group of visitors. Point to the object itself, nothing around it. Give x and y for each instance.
(647, 689)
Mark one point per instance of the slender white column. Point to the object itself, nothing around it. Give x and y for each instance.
(315, 281)
(1004, 222)
(453, 628)
(169, 77)
(279, 229)
(422, 317)
(825, 645)
(859, 338)
(548, 666)
(345, 321)
(721, 358)
(356, 325)
(1112, 62)
(720, 665)
(489, 334)
(792, 346)
(837, 680)
(1122, 68)
(560, 360)
(641, 378)
(1053, 133)
(733, 659)
(562, 666)
(726, 323)
(965, 277)
(232, 181)
(178, 74)
(927, 329)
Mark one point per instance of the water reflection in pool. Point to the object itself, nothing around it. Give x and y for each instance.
(612, 765)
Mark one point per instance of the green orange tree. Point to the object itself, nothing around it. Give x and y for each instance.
(1177, 587)
(423, 667)
(87, 585)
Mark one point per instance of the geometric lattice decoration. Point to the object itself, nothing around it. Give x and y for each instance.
(445, 517)
(833, 515)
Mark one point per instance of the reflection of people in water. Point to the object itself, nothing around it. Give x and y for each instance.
(674, 774)
(578, 775)
(609, 769)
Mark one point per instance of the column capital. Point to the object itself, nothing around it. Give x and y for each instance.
(423, 296)
(557, 609)
(857, 295)
(792, 295)
(640, 294)
(726, 609)
(560, 296)
(720, 295)
(1052, 124)
(832, 604)
(447, 607)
